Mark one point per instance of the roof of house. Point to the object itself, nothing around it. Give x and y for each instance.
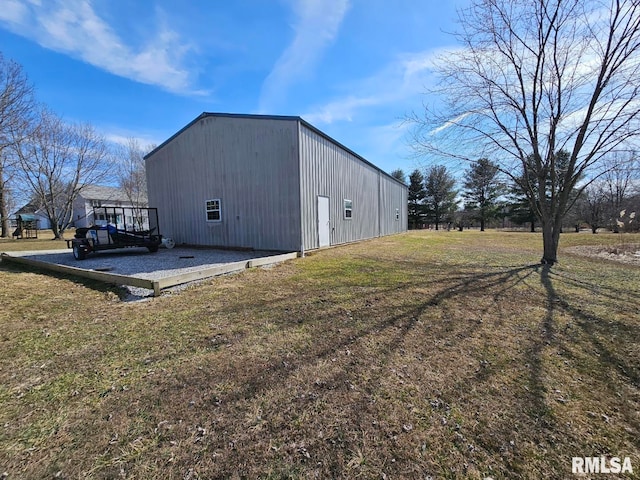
(272, 117)
(29, 208)
(99, 192)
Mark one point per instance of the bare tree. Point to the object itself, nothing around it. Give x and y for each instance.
(618, 183)
(593, 206)
(132, 177)
(16, 106)
(534, 77)
(57, 160)
(131, 172)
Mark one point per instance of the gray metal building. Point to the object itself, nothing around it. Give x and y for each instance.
(268, 183)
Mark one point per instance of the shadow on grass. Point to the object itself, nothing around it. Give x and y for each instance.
(367, 323)
(594, 326)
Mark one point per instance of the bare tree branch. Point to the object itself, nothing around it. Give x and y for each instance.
(535, 78)
(57, 161)
(16, 105)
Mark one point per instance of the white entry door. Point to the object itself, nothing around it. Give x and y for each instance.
(324, 232)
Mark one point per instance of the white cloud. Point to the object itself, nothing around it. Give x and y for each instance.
(316, 26)
(123, 138)
(13, 11)
(342, 109)
(73, 27)
(400, 83)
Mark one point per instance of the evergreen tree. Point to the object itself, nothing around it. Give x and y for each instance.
(398, 174)
(482, 190)
(440, 199)
(416, 198)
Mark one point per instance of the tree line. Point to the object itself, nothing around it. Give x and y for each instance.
(48, 161)
(548, 89)
(484, 195)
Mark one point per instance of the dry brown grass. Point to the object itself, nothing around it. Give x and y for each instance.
(442, 354)
(43, 242)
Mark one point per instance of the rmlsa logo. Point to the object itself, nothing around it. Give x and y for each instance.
(601, 465)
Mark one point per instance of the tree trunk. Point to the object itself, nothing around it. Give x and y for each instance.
(482, 224)
(594, 229)
(4, 214)
(533, 226)
(550, 241)
(57, 235)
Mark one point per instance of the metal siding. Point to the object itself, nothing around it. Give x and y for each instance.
(329, 170)
(392, 196)
(250, 164)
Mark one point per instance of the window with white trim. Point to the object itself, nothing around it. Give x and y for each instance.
(348, 209)
(214, 211)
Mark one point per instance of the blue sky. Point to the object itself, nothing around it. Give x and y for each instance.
(145, 68)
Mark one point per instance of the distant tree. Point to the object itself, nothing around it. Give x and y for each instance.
(535, 77)
(461, 219)
(440, 195)
(398, 174)
(416, 197)
(482, 190)
(526, 186)
(518, 207)
(131, 174)
(617, 184)
(593, 206)
(57, 160)
(16, 106)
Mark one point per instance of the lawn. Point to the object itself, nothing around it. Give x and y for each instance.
(427, 354)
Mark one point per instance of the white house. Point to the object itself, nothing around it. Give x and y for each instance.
(99, 196)
(32, 212)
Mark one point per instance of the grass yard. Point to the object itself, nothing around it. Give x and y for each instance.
(423, 355)
(43, 242)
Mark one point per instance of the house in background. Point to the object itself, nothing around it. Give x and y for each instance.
(91, 196)
(269, 183)
(34, 213)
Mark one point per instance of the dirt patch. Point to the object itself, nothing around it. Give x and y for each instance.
(624, 253)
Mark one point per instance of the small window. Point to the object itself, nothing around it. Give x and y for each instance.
(213, 210)
(397, 214)
(348, 209)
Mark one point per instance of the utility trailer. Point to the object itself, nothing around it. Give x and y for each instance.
(118, 227)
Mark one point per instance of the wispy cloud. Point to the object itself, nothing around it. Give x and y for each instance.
(73, 27)
(316, 26)
(144, 140)
(398, 84)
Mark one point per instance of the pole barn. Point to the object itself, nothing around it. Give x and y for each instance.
(268, 183)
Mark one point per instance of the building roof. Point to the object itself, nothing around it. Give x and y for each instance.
(99, 192)
(29, 208)
(272, 117)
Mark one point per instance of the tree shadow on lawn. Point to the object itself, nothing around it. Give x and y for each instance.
(382, 334)
(341, 394)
